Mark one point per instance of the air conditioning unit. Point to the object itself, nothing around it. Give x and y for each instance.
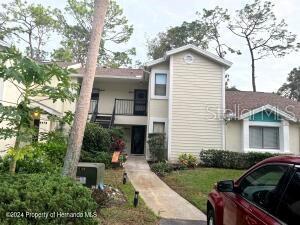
(91, 174)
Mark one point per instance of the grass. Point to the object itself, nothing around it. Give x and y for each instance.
(125, 214)
(194, 185)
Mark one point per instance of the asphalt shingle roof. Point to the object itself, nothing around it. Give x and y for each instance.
(126, 72)
(240, 102)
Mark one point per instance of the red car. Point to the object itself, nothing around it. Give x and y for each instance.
(267, 194)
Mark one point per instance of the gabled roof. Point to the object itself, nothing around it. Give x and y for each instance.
(45, 108)
(198, 50)
(243, 103)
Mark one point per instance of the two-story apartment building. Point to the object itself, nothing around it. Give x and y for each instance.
(183, 95)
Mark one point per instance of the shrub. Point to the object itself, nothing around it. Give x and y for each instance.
(117, 144)
(99, 157)
(161, 168)
(96, 139)
(37, 158)
(232, 160)
(38, 193)
(116, 132)
(4, 164)
(187, 160)
(59, 136)
(157, 147)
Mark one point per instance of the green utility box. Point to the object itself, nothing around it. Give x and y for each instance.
(91, 174)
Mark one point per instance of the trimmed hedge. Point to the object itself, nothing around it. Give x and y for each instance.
(41, 193)
(232, 160)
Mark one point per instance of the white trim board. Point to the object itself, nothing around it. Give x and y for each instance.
(160, 120)
(198, 50)
(152, 80)
(170, 102)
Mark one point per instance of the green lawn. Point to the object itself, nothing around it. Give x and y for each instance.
(194, 185)
(125, 214)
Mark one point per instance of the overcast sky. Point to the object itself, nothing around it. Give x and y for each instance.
(152, 16)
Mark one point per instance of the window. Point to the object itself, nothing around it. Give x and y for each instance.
(289, 208)
(262, 188)
(264, 137)
(158, 127)
(160, 84)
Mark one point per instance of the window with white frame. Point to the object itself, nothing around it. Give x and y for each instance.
(160, 88)
(158, 127)
(264, 137)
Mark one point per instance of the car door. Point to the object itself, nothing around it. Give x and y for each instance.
(289, 207)
(256, 197)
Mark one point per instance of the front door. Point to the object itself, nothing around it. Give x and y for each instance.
(138, 139)
(140, 102)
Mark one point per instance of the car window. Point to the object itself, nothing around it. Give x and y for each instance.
(289, 208)
(261, 186)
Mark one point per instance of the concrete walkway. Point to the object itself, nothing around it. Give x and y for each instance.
(158, 196)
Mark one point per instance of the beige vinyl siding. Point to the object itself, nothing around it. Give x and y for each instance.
(196, 103)
(158, 108)
(294, 138)
(233, 134)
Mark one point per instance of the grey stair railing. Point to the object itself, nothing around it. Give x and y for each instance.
(112, 120)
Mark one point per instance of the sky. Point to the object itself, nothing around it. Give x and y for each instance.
(152, 16)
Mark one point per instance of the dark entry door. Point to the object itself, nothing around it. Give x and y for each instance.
(94, 104)
(138, 139)
(140, 102)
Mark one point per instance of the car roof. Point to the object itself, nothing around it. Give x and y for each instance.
(282, 159)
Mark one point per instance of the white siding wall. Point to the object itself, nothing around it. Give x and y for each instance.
(294, 138)
(233, 133)
(197, 99)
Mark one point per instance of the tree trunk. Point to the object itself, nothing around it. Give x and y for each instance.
(82, 107)
(13, 162)
(252, 65)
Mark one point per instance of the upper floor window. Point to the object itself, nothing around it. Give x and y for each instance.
(160, 88)
(264, 137)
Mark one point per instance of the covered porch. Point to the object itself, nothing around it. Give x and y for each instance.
(119, 102)
(135, 139)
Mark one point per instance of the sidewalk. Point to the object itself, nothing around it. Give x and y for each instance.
(158, 196)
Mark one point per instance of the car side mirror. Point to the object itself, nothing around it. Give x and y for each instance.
(225, 186)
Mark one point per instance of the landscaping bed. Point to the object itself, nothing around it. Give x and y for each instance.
(125, 213)
(195, 184)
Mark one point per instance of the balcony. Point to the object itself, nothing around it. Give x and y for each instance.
(130, 107)
(125, 111)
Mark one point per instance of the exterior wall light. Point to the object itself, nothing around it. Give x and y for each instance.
(36, 114)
